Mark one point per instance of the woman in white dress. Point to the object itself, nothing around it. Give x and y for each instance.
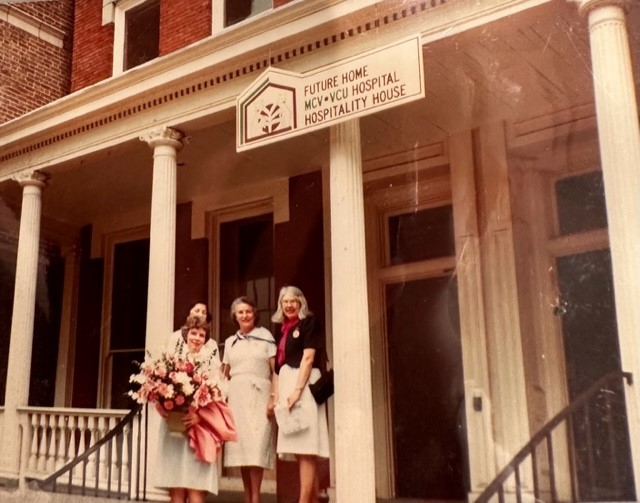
(249, 359)
(300, 349)
(177, 468)
(200, 310)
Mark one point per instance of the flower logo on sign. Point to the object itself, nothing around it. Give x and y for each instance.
(269, 112)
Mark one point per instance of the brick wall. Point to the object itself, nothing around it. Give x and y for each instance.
(34, 72)
(57, 13)
(183, 22)
(92, 45)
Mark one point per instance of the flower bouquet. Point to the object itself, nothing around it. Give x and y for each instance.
(175, 382)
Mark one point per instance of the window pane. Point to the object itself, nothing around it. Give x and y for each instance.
(581, 205)
(123, 365)
(129, 297)
(239, 10)
(142, 34)
(421, 235)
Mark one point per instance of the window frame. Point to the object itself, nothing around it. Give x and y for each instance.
(218, 16)
(119, 33)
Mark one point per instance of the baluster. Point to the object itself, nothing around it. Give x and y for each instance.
(42, 449)
(78, 471)
(33, 458)
(103, 469)
(591, 463)
(534, 468)
(552, 469)
(114, 471)
(126, 456)
(92, 430)
(62, 442)
(51, 448)
(518, 490)
(611, 432)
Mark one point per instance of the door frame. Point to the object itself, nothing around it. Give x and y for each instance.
(382, 202)
(109, 243)
(214, 219)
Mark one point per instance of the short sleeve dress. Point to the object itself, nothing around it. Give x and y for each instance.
(314, 440)
(249, 390)
(176, 464)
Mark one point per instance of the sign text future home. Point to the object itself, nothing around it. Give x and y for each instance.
(280, 104)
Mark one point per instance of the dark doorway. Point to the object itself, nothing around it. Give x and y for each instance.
(128, 316)
(601, 455)
(246, 268)
(427, 393)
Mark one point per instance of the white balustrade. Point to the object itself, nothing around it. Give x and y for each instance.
(55, 436)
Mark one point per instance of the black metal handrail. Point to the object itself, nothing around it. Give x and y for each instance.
(116, 438)
(496, 487)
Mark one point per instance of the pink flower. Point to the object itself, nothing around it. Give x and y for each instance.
(179, 400)
(168, 405)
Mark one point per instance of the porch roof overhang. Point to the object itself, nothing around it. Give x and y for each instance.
(204, 79)
(524, 61)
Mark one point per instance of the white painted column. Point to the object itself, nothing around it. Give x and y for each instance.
(477, 390)
(500, 296)
(619, 138)
(22, 322)
(162, 247)
(354, 460)
(162, 256)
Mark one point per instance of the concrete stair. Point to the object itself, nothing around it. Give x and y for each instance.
(24, 495)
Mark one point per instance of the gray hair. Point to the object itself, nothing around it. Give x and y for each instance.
(278, 317)
(249, 302)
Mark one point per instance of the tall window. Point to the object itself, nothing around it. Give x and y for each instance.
(142, 34)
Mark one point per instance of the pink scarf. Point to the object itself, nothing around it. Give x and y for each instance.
(215, 427)
(286, 327)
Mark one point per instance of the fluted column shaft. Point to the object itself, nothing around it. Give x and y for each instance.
(619, 138)
(162, 256)
(162, 247)
(355, 469)
(22, 322)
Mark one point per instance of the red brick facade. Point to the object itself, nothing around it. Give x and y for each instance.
(34, 72)
(92, 45)
(183, 22)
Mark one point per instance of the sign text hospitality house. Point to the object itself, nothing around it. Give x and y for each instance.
(280, 104)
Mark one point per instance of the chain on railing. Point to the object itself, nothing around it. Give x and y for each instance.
(598, 395)
(113, 467)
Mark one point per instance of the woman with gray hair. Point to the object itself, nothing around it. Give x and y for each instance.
(249, 361)
(300, 350)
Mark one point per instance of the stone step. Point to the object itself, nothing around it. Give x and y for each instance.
(35, 496)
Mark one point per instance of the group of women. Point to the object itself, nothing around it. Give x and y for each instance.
(264, 375)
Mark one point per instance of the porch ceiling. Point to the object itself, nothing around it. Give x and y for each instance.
(528, 65)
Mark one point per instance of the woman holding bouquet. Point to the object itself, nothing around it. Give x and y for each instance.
(200, 310)
(186, 463)
(249, 360)
(297, 364)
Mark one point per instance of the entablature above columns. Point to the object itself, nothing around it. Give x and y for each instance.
(200, 83)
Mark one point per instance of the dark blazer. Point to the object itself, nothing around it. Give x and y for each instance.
(305, 334)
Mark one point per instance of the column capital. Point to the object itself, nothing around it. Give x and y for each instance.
(586, 6)
(163, 136)
(31, 178)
